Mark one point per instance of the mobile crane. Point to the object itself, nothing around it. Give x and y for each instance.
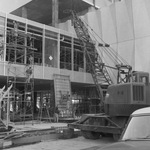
(129, 93)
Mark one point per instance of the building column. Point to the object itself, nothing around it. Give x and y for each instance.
(24, 12)
(55, 13)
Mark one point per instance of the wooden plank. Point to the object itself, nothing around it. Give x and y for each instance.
(104, 129)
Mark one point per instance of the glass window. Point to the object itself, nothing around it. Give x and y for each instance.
(78, 60)
(16, 38)
(144, 80)
(36, 45)
(65, 52)
(51, 53)
(36, 42)
(138, 128)
(65, 58)
(78, 56)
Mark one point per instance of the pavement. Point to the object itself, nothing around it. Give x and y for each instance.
(52, 142)
(37, 125)
(79, 143)
(31, 132)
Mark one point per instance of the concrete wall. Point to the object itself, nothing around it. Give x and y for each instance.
(125, 25)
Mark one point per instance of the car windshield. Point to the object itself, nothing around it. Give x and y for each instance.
(138, 128)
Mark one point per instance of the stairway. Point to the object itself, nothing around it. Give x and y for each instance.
(63, 94)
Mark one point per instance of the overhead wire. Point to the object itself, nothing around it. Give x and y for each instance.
(112, 57)
(109, 50)
(107, 61)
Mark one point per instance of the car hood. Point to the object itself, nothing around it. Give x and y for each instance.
(128, 145)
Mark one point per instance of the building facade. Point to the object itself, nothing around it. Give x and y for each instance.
(60, 70)
(46, 67)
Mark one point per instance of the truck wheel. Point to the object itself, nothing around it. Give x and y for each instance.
(68, 133)
(84, 134)
(91, 135)
(116, 137)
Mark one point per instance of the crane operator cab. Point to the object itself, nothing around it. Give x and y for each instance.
(138, 76)
(124, 98)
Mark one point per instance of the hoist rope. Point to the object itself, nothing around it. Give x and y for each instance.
(117, 58)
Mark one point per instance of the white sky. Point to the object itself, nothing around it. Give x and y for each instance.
(7, 6)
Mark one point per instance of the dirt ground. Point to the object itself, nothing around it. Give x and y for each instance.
(79, 143)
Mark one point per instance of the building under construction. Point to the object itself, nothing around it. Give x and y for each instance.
(44, 64)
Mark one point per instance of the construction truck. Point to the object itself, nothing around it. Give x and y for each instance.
(120, 101)
(130, 92)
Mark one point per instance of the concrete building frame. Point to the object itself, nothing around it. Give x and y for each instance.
(57, 53)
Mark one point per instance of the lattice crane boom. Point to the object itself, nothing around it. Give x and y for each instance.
(98, 70)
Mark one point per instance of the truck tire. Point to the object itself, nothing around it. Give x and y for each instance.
(116, 137)
(90, 134)
(68, 133)
(84, 134)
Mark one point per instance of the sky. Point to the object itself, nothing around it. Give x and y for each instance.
(7, 6)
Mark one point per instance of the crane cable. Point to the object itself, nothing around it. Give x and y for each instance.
(112, 53)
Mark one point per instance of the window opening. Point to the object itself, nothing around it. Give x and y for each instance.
(78, 56)
(78, 60)
(65, 52)
(15, 41)
(37, 44)
(51, 50)
(84, 100)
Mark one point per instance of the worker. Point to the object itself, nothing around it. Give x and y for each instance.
(56, 114)
(28, 73)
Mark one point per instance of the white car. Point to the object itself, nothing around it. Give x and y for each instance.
(136, 135)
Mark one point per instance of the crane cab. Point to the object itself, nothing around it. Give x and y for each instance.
(138, 76)
(124, 98)
(143, 77)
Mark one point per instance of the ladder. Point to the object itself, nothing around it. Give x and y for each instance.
(44, 110)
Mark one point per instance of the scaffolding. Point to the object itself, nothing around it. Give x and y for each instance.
(44, 113)
(19, 49)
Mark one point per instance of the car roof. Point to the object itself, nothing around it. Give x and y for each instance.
(142, 111)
